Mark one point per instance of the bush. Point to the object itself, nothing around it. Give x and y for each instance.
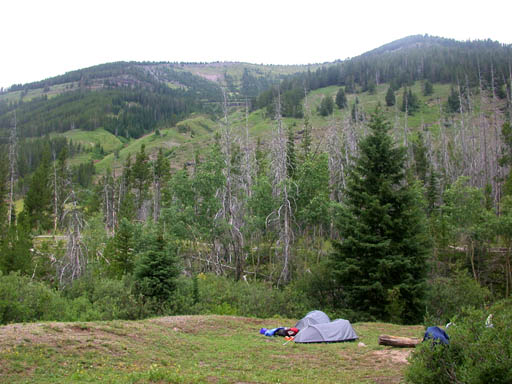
(476, 353)
(23, 300)
(105, 299)
(447, 296)
(221, 295)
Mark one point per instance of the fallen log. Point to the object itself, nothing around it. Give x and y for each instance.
(397, 341)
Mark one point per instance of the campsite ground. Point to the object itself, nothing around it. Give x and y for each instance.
(193, 349)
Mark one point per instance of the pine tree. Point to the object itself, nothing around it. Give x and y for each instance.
(432, 192)
(428, 88)
(341, 99)
(326, 106)
(410, 102)
(161, 173)
(126, 198)
(380, 264)
(420, 158)
(157, 270)
(356, 113)
(141, 176)
(121, 250)
(261, 160)
(390, 97)
(453, 101)
(15, 254)
(38, 202)
(4, 167)
(306, 137)
(291, 160)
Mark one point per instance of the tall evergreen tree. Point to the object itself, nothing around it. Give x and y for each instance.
(420, 158)
(4, 167)
(161, 174)
(157, 270)
(432, 193)
(120, 250)
(38, 202)
(355, 112)
(291, 159)
(261, 160)
(428, 88)
(410, 102)
(453, 102)
(380, 264)
(341, 99)
(141, 174)
(15, 245)
(390, 97)
(126, 200)
(306, 137)
(326, 106)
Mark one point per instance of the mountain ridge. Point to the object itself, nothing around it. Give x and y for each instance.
(405, 42)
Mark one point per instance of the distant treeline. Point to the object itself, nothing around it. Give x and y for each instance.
(468, 64)
(127, 99)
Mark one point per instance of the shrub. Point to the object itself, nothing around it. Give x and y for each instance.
(91, 298)
(446, 296)
(476, 353)
(221, 295)
(23, 300)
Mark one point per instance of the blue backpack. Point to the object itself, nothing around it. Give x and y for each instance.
(436, 334)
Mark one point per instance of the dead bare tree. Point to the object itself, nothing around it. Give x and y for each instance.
(74, 263)
(248, 158)
(232, 209)
(335, 161)
(283, 215)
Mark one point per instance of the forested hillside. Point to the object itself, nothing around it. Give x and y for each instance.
(376, 188)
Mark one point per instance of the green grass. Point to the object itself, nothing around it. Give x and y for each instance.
(53, 91)
(192, 349)
(177, 140)
(18, 206)
(89, 139)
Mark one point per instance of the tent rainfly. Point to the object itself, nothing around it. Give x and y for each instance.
(313, 317)
(335, 331)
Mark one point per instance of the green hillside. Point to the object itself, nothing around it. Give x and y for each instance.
(196, 133)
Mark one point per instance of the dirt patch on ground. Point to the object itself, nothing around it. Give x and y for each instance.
(397, 356)
(202, 324)
(69, 336)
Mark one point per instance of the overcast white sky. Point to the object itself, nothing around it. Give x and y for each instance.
(45, 38)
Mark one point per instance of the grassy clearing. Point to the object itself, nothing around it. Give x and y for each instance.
(89, 139)
(216, 71)
(192, 349)
(178, 140)
(52, 91)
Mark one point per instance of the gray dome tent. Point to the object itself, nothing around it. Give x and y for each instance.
(313, 317)
(337, 330)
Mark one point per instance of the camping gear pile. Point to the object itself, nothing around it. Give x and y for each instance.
(315, 327)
